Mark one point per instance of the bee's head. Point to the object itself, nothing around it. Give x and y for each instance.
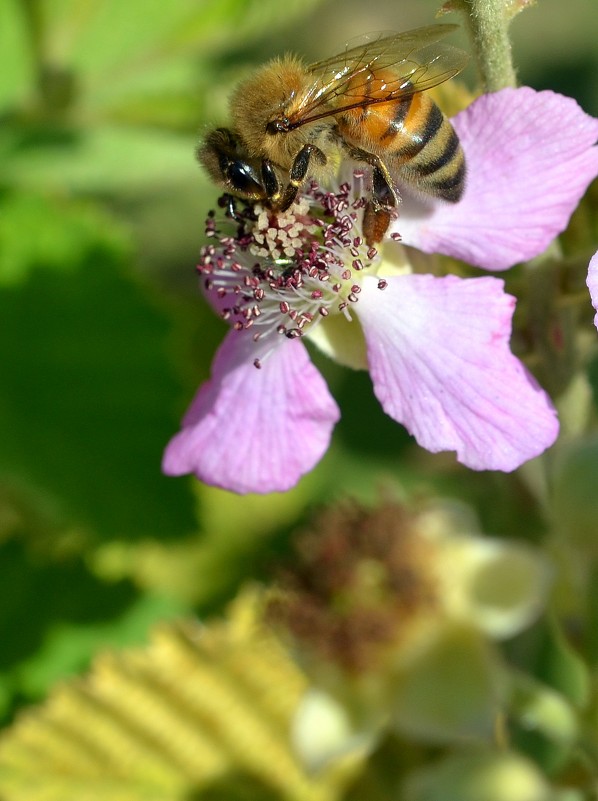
(226, 160)
(261, 106)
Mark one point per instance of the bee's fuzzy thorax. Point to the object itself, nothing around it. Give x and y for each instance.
(268, 94)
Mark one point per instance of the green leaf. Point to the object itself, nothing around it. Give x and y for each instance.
(477, 776)
(110, 38)
(43, 230)
(49, 635)
(106, 50)
(107, 158)
(575, 501)
(17, 74)
(27, 603)
(542, 723)
(185, 718)
(560, 666)
(87, 396)
(466, 676)
(593, 379)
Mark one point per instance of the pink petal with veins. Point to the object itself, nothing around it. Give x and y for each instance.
(255, 430)
(440, 362)
(530, 157)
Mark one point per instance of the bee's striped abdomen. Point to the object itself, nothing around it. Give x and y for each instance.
(426, 148)
(410, 135)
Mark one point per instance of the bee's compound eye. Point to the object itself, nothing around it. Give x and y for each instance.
(243, 178)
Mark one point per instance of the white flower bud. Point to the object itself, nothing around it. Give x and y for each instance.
(322, 730)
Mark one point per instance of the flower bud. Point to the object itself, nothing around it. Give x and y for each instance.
(391, 611)
(481, 777)
(322, 730)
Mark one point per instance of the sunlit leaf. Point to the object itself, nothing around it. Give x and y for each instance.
(36, 230)
(106, 158)
(183, 717)
(108, 50)
(16, 75)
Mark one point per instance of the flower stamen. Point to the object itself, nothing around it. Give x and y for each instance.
(299, 264)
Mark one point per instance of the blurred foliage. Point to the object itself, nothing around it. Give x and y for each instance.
(201, 713)
(103, 339)
(100, 103)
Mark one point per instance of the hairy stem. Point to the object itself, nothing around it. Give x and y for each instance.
(488, 24)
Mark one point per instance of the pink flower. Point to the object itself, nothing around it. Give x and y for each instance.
(437, 348)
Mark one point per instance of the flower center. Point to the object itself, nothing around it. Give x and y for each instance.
(283, 273)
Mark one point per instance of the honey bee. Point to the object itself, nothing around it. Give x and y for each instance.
(293, 122)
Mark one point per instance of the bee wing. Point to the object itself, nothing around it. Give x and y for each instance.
(416, 59)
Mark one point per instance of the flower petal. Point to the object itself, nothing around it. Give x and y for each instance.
(322, 731)
(255, 430)
(530, 158)
(440, 362)
(498, 586)
(592, 282)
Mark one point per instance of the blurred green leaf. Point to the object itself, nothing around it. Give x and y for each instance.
(197, 710)
(110, 52)
(593, 379)
(36, 596)
(17, 74)
(466, 676)
(106, 158)
(37, 229)
(87, 395)
(560, 666)
(70, 641)
(575, 501)
(482, 776)
(108, 36)
(541, 710)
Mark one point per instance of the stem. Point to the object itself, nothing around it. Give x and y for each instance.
(55, 85)
(34, 25)
(488, 24)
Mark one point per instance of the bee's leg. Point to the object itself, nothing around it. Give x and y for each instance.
(229, 203)
(298, 173)
(271, 183)
(384, 194)
(378, 211)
